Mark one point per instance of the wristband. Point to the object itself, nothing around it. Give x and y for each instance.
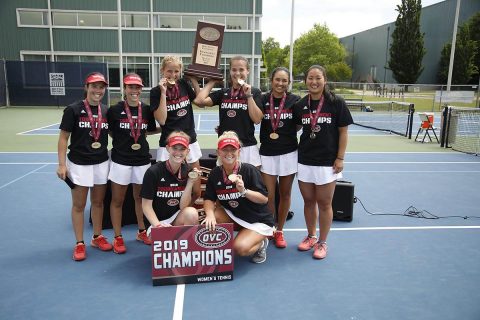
(340, 158)
(243, 193)
(248, 95)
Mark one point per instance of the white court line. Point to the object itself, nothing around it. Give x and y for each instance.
(9, 183)
(390, 228)
(410, 171)
(39, 128)
(178, 308)
(199, 119)
(21, 163)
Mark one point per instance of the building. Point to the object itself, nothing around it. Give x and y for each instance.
(370, 49)
(128, 35)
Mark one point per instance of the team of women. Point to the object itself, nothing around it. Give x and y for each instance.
(240, 189)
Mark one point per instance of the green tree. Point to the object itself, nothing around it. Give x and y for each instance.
(474, 26)
(320, 46)
(464, 60)
(407, 51)
(273, 55)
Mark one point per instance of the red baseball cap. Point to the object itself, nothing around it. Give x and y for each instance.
(178, 140)
(228, 142)
(96, 77)
(132, 79)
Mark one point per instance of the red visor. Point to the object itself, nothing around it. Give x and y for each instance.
(178, 140)
(96, 77)
(132, 79)
(228, 142)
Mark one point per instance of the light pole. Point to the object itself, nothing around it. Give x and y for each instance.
(386, 60)
(353, 58)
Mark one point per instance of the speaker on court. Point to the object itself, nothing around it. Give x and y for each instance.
(343, 200)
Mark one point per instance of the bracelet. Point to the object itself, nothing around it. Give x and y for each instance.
(243, 194)
(340, 158)
(248, 95)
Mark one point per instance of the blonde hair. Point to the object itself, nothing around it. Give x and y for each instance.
(231, 135)
(171, 59)
(240, 58)
(176, 133)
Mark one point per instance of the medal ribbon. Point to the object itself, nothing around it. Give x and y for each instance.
(135, 131)
(173, 92)
(235, 94)
(314, 118)
(179, 175)
(95, 130)
(225, 176)
(275, 116)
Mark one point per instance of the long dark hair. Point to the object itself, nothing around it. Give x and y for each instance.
(326, 90)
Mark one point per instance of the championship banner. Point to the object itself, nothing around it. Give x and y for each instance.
(192, 254)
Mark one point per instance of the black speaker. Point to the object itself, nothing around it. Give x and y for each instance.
(343, 200)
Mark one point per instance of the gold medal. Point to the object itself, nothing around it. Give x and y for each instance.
(193, 174)
(313, 135)
(233, 177)
(96, 145)
(241, 82)
(274, 135)
(136, 146)
(171, 81)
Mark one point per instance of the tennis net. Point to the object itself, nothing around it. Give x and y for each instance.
(390, 116)
(462, 129)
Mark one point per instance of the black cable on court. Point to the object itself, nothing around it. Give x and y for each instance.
(413, 212)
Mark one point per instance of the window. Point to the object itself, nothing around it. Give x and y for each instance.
(35, 57)
(135, 21)
(34, 18)
(216, 19)
(89, 19)
(237, 23)
(91, 58)
(190, 22)
(170, 22)
(109, 20)
(257, 23)
(66, 58)
(64, 19)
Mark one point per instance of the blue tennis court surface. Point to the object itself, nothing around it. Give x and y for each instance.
(378, 267)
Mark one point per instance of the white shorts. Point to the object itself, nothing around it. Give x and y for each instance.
(317, 175)
(282, 165)
(125, 175)
(258, 227)
(250, 155)
(88, 175)
(193, 156)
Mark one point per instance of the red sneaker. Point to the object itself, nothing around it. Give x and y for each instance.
(320, 251)
(142, 237)
(307, 243)
(79, 252)
(279, 240)
(101, 243)
(119, 245)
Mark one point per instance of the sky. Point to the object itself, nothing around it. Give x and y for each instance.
(342, 17)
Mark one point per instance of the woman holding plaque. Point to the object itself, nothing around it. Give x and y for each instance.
(171, 101)
(129, 121)
(86, 166)
(239, 189)
(324, 118)
(278, 149)
(168, 186)
(238, 108)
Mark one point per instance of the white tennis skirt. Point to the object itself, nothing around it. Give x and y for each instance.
(193, 156)
(250, 155)
(258, 227)
(317, 174)
(125, 175)
(282, 165)
(88, 175)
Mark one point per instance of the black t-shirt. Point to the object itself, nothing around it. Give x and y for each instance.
(122, 152)
(179, 111)
(287, 128)
(321, 151)
(233, 114)
(230, 198)
(75, 120)
(164, 189)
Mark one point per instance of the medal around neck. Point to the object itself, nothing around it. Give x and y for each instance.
(313, 135)
(274, 136)
(233, 177)
(193, 175)
(136, 146)
(96, 145)
(241, 82)
(171, 81)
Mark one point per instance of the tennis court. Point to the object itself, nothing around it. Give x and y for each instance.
(393, 264)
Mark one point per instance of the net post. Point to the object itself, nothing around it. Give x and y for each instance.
(447, 129)
(443, 134)
(411, 111)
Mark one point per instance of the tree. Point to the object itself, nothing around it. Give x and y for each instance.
(273, 55)
(320, 46)
(474, 26)
(407, 51)
(464, 60)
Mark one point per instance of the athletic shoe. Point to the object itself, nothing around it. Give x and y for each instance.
(290, 215)
(320, 250)
(119, 245)
(279, 240)
(307, 243)
(101, 243)
(79, 252)
(261, 255)
(142, 237)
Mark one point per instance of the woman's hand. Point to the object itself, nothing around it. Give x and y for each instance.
(62, 171)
